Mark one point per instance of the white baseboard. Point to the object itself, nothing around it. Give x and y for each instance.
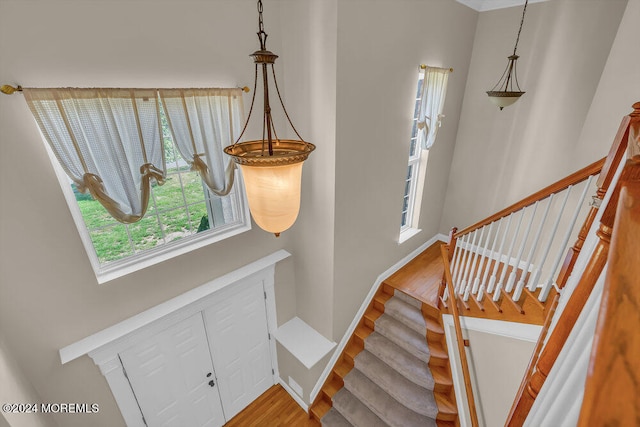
(345, 338)
(294, 395)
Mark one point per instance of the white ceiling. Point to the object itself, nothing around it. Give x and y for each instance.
(484, 5)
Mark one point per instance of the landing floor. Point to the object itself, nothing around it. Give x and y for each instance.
(421, 276)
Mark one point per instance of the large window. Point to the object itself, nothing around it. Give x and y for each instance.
(182, 215)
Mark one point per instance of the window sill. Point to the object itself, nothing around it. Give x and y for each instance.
(147, 259)
(407, 234)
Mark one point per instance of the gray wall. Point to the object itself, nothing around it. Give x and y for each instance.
(503, 156)
(380, 45)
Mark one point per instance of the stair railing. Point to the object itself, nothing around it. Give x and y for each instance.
(519, 251)
(461, 342)
(612, 388)
(540, 368)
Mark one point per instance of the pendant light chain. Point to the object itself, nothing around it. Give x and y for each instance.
(261, 34)
(524, 10)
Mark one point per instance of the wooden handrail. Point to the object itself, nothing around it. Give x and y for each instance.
(459, 337)
(575, 178)
(612, 389)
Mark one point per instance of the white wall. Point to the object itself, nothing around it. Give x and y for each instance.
(502, 156)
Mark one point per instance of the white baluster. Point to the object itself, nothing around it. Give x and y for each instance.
(532, 251)
(465, 279)
(533, 279)
(489, 257)
(514, 271)
(547, 286)
(482, 262)
(457, 260)
(462, 246)
(503, 274)
(498, 256)
(474, 265)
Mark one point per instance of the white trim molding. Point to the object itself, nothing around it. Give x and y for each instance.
(169, 308)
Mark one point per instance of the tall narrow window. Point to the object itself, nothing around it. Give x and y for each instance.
(427, 115)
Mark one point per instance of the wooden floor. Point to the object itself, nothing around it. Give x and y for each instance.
(421, 276)
(273, 409)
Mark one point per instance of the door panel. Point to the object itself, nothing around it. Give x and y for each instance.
(168, 373)
(239, 342)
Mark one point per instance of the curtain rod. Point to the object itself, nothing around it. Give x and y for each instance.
(424, 67)
(9, 90)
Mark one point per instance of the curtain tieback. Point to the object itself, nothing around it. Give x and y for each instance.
(152, 172)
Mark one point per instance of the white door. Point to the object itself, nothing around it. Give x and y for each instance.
(239, 342)
(173, 379)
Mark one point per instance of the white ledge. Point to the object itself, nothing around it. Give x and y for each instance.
(303, 342)
(112, 333)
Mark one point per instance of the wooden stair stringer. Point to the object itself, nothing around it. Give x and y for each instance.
(345, 362)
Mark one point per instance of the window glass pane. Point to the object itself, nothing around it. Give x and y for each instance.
(199, 217)
(93, 213)
(419, 91)
(146, 233)
(169, 195)
(175, 224)
(412, 148)
(193, 187)
(403, 222)
(111, 243)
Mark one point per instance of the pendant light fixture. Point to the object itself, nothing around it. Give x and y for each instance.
(507, 91)
(271, 167)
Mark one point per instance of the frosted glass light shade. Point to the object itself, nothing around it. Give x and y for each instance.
(273, 193)
(272, 180)
(504, 99)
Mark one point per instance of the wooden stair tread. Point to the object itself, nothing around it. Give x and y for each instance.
(342, 369)
(320, 408)
(441, 376)
(447, 409)
(434, 326)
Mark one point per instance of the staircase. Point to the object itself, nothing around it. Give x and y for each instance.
(394, 371)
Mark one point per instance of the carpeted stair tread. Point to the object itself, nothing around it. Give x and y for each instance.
(399, 359)
(354, 411)
(385, 407)
(406, 314)
(333, 418)
(407, 298)
(403, 336)
(406, 392)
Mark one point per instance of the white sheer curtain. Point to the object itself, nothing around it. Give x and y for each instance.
(203, 122)
(108, 141)
(434, 91)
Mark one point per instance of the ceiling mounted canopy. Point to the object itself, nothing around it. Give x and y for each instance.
(271, 167)
(507, 91)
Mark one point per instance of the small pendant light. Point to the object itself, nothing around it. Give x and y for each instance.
(507, 91)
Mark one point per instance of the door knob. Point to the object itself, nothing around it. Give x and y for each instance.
(211, 383)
